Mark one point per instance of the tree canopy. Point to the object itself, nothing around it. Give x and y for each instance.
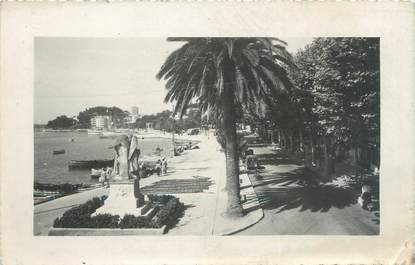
(61, 122)
(338, 87)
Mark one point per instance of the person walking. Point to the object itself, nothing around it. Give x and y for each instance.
(158, 167)
(164, 166)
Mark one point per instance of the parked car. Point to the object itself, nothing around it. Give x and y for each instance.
(193, 131)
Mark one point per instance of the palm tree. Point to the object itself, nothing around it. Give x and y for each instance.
(226, 75)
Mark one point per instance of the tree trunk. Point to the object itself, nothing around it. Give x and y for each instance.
(234, 208)
(301, 146)
(363, 144)
(313, 151)
(301, 142)
(328, 158)
(291, 143)
(354, 157)
(285, 141)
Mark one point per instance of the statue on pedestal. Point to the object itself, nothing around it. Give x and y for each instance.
(126, 165)
(121, 162)
(134, 167)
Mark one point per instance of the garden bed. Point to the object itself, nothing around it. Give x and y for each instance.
(78, 220)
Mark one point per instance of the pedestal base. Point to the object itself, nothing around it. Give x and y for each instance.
(121, 201)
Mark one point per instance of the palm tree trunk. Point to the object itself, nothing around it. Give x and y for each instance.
(234, 207)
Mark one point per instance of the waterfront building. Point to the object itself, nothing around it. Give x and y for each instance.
(100, 122)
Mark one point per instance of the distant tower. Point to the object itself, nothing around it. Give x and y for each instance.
(134, 111)
(134, 114)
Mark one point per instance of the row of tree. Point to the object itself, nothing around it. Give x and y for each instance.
(333, 110)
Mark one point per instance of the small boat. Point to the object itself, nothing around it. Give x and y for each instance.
(58, 152)
(96, 173)
(88, 164)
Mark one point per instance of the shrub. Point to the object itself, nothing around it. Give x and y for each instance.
(131, 221)
(79, 216)
(104, 221)
(168, 213)
(160, 199)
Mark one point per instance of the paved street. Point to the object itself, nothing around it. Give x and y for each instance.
(297, 202)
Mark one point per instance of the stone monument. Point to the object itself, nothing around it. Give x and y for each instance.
(125, 196)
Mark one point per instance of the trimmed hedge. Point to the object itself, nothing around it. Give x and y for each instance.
(160, 199)
(79, 216)
(169, 213)
(131, 221)
(170, 210)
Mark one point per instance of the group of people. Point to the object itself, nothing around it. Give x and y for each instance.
(105, 175)
(161, 166)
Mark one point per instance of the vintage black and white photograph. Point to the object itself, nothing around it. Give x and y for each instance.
(206, 136)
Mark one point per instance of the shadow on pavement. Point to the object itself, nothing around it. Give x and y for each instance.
(300, 188)
(276, 159)
(174, 186)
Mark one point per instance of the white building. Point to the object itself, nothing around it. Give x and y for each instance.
(100, 122)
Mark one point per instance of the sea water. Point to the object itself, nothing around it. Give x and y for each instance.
(50, 168)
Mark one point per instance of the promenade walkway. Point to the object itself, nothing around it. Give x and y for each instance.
(297, 202)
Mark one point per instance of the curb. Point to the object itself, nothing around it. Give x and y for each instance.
(245, 227)
(234, 231)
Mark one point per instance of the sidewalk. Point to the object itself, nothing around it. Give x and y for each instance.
(202, 168)
(297, 202)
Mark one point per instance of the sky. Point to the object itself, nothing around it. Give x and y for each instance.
(72, 74)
